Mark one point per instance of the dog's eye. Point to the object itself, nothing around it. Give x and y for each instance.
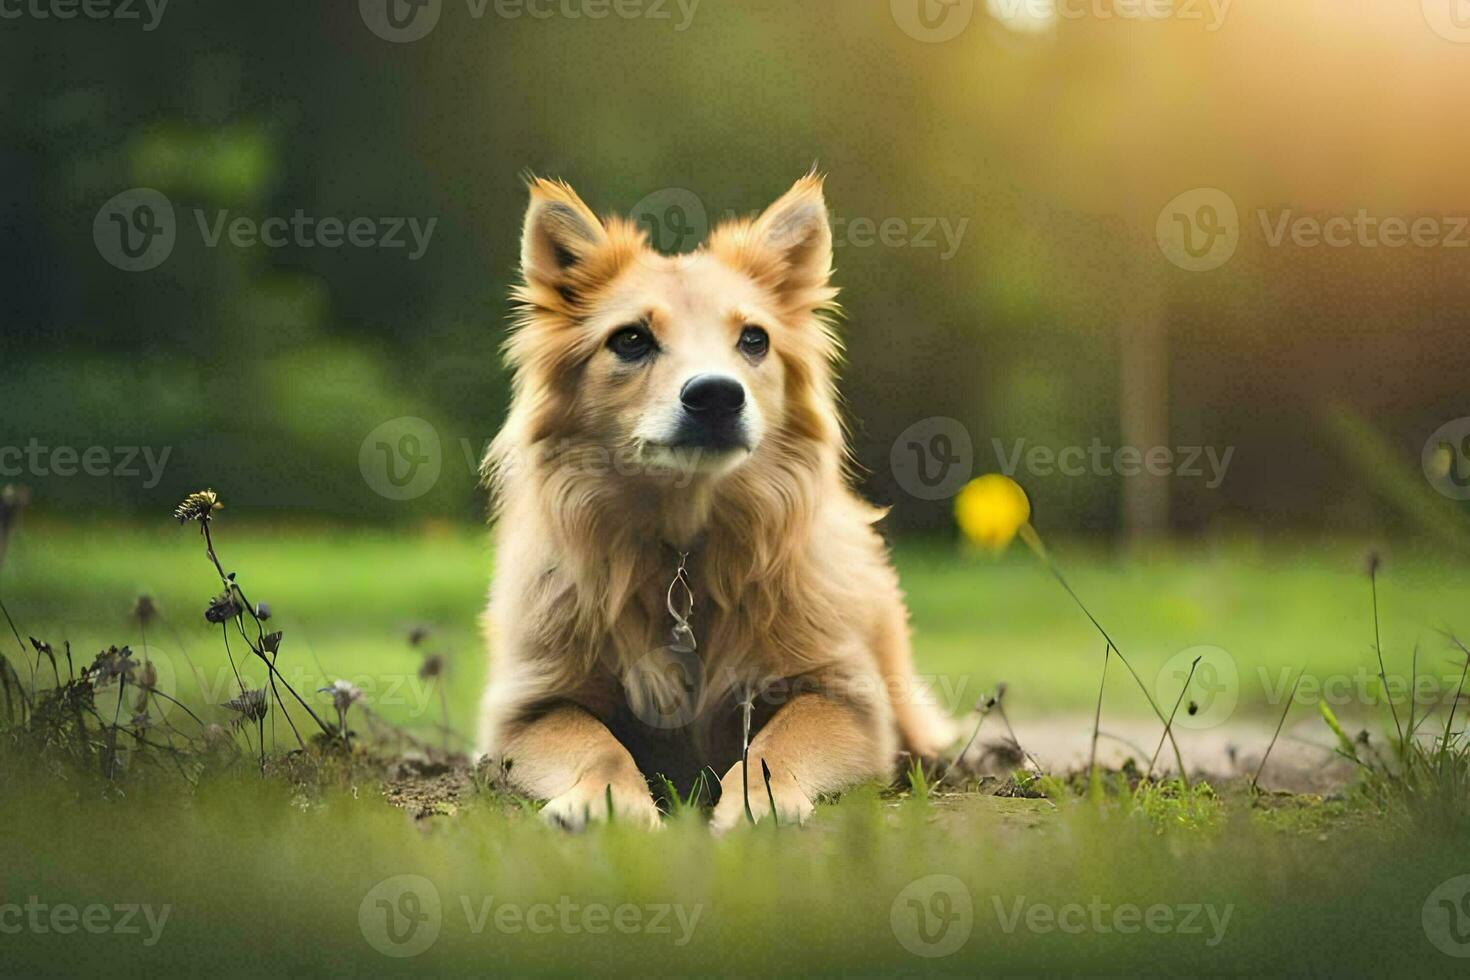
(632, 343)
(754, 342)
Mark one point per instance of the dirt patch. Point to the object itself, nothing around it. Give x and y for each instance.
(427, 788)
(1303, 760)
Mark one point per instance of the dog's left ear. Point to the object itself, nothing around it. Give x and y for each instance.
(798, 231)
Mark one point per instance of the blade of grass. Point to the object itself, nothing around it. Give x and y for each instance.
(1255, 780)
(1170, 724)
(1097, 716)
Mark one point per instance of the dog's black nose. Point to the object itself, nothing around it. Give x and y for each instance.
(713, 394)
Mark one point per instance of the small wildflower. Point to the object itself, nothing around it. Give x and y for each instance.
(222, 608)
(198, 507)
(433, 666)
(262, 611)
(344, 694)
(991, 510)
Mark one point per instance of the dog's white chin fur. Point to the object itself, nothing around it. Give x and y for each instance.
(690, 461)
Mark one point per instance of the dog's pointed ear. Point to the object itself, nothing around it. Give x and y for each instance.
(798, 230)
(560, 234)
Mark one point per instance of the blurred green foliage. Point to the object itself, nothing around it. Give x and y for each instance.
(262, 369)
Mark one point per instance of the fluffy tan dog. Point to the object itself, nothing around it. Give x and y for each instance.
(679, 553)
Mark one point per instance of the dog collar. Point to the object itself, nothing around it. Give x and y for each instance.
(680, 602)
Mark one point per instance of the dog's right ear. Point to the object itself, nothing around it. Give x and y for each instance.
(561, 234)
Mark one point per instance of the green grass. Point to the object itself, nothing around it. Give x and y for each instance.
(263, 877)
(346, 599)
(260, 880)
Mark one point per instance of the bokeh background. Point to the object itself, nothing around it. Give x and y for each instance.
(1027, 160)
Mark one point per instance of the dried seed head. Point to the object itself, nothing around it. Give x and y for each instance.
(262, 611)
(433, 666)
(250, 704)
(111, 663)
(222, 608)
(145, 610)
(198, 507)
(417, 635)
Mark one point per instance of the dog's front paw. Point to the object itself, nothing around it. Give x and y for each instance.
(588, 801)
(791, 803)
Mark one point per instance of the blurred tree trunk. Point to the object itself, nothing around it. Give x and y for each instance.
(1143, 376)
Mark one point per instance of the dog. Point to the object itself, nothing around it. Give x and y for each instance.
(686, 584)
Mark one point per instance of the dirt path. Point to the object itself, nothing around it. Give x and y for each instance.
(1302, 761)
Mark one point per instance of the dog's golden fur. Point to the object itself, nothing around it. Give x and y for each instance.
(796, 607)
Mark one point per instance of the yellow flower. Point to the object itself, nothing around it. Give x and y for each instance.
(991, 510)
